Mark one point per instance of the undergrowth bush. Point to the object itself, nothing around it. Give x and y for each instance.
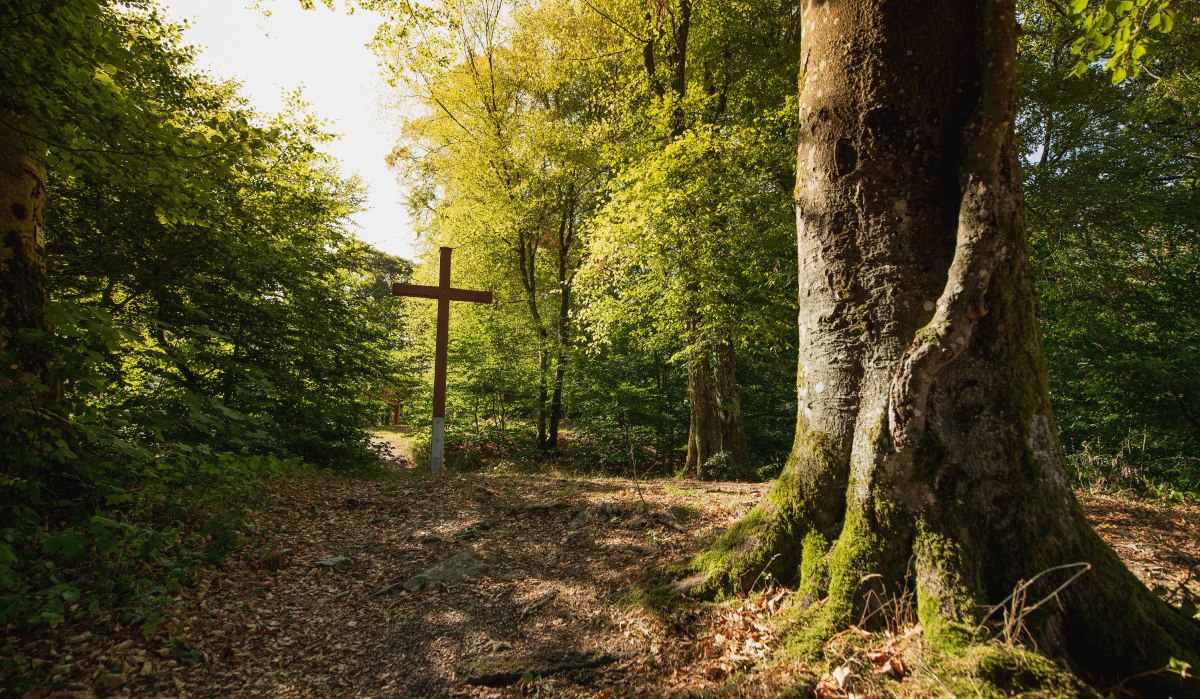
(1133, 469)
(101, 507)
(579, 451)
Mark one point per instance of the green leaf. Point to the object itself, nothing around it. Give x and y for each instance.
(70, 543)
(7, 557)
(1179, 667)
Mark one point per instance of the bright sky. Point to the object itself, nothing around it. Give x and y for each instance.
(324, 52)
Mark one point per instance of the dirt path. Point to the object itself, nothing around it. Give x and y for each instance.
(314, 616)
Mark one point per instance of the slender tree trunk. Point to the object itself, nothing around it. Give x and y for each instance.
(23, 284)
(704, 424)
(566, 236)
(527, 250)
(543, 387)
(556, 400)
(925, 451)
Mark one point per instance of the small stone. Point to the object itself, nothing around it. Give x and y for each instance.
(514, 574)
(334, 562)
(460, 566)
(576, 538)
(353, 503)
(108, 683)
(431, 539)
(681, 513)
(609, 509)
(552, 559)
(476, 530)
(482, 493)
(501, 670)
(580, 520)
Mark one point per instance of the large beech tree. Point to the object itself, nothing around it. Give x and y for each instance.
(925, 452)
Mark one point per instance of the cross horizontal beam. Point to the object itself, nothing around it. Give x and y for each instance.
(435, 292)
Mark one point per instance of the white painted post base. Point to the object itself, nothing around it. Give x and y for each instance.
(437, 445)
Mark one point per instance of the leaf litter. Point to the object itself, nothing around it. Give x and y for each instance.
(317, 607)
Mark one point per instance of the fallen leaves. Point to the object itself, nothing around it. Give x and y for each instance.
(276, 621)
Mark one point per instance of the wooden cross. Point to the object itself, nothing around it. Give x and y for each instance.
(444, 295)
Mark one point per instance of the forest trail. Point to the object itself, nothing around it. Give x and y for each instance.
(317, 606)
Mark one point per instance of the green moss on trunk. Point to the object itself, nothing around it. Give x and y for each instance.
(762, 548)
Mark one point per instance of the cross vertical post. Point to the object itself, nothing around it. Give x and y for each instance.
(437, 442)
(444, 295)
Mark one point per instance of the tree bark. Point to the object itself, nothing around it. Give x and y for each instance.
(23, 284)
(527, 249)
(729, 410)
(704, 433)
(566, 277)
(543, 386)
(715, 425)
(925, 450)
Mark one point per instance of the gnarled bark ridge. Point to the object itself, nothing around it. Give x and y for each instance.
(925, 451)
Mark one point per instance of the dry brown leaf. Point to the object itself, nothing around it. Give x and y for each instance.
(840, 674)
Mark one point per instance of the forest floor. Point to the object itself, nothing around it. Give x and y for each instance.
(329, 602)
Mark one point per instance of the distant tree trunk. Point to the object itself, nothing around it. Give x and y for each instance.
(527, 250)
(704, 431)
(663, 442)
(556, 400)
(715, 425)
(543, 387)
(23, 284)
(566, 236)
(925, 452)
(729, 410)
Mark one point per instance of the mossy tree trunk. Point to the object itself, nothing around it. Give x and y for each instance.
(925, 451)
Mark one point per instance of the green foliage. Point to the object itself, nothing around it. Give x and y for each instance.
(216, 320)
(1120, 29)
(92, 510)
(539, 155)
(1113, 206)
